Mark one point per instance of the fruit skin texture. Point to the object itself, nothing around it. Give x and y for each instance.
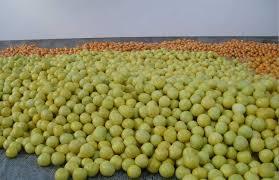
(61, 174)
(44, 159)
(134, 171)
(166, 170)
(92, 169)
(240, 143)
(79, 174)
(266, 170)
(106, 169)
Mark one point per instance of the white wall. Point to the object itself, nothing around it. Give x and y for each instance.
(43, 19)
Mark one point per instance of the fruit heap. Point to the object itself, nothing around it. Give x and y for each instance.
(264, 65)
(192, 115)
(263, 57)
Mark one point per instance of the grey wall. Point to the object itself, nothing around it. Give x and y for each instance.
(50, 19)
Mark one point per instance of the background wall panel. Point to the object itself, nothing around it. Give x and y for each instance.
(41, 19)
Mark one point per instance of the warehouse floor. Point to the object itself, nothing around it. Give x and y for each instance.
(25, 167)
(53, 43)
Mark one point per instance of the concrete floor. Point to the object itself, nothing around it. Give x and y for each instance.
(25, 167)
(53, 43)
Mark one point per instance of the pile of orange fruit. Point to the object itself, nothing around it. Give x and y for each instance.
(263, 57)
